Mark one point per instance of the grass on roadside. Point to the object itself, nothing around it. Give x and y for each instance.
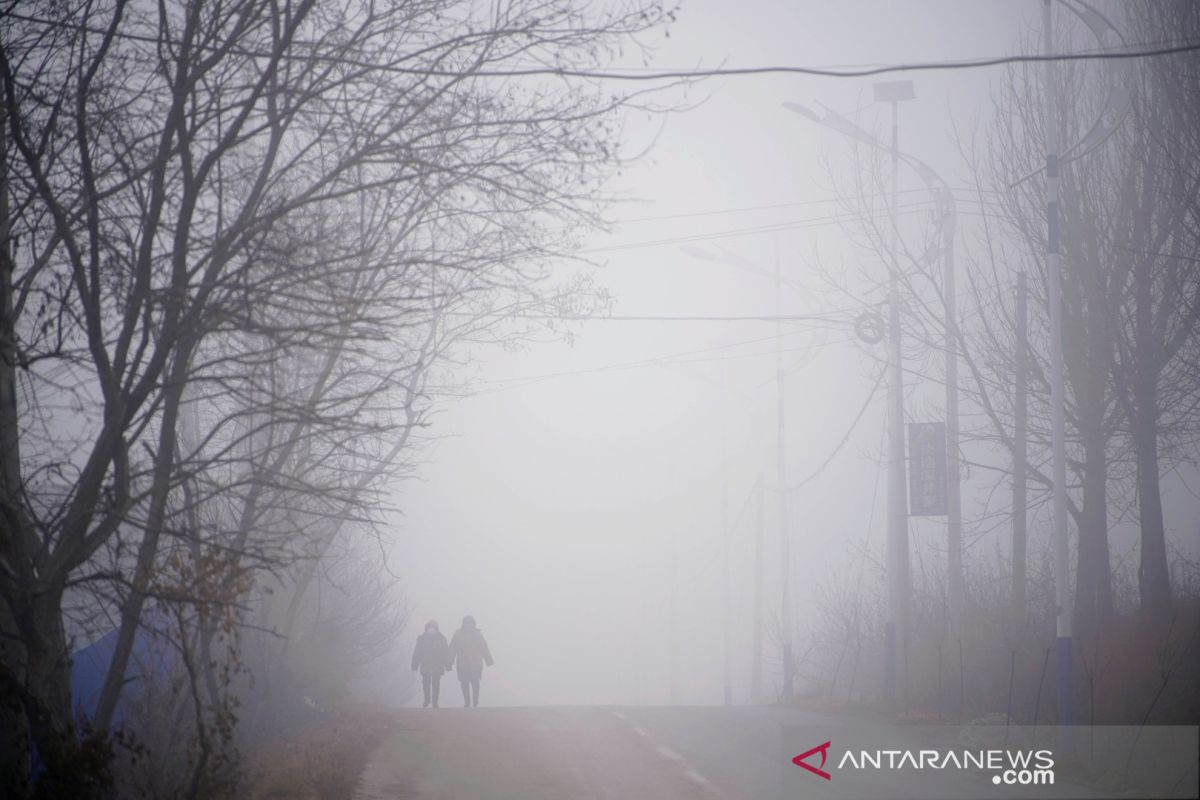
(322, 760)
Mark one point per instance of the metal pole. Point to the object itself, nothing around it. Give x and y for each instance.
(674, 637)
(784, 544)
(953, 489)
(897, 502)
(728, 622)
(1062, 594)
(1020, 436)
(756, 664)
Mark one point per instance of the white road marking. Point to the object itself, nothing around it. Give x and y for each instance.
(669, 753)
(689, 772)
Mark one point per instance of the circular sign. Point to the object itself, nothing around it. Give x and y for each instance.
(869, 327)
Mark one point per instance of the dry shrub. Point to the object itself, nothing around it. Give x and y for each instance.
(1128, 671)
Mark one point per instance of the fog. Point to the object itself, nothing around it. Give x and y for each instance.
(608, 325)
(579, 477)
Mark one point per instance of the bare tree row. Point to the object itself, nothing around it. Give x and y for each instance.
(245, 245)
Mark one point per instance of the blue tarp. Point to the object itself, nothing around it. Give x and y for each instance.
(152, 657)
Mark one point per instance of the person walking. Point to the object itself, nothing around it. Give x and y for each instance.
(432, 657)
(470, 650)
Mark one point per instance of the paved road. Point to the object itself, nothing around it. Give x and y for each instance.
(656, 753)
(524, 754)
(638, 753)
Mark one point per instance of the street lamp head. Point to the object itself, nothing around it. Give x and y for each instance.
(894, 91)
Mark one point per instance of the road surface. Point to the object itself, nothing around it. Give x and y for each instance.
(632, 753)
(579, 752)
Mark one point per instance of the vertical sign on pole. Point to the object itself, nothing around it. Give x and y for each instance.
(927, 470)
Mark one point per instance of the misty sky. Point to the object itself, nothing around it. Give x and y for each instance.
(559, 495)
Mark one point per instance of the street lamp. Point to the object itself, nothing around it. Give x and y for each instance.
(899, 574)
(781, 453)
(1115, 110)
(1106, 123)
(946, 215)
(899, 589)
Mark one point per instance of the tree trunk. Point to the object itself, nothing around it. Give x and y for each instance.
(156, 517)
(35, 688)
(14, 726)
(1154, 587)
(14, 744)
(1154, 583)
(1093, 586)
(42, 687)
(49, 665)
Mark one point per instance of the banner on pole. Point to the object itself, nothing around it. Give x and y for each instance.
(927, 469)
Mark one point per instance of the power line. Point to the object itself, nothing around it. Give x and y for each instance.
(829, 316)
(874, 64)
(674, 358)
(846, 438)
(826, 73)
(790, 204)
(597, 74)
(800, 224)
(779, 227)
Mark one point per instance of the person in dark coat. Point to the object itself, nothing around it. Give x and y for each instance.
(432, 657)
(470, 650)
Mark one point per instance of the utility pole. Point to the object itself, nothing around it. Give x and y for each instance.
(759, 525)
(1062, 593)
(785, 566)
(674, 638)
(897, 631)
(784, 543)
(1020, 437)
(956, 591)
(728, 621)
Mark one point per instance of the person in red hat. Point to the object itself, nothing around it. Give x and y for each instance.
(431, 656)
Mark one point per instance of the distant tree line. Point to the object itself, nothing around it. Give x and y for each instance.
(1129, 221)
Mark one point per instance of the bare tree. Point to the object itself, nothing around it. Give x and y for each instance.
(1128, 222)
(1155, 244)
(179, 180)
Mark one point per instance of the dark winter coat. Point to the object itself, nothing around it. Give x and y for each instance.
(470, 651)
(431, 654)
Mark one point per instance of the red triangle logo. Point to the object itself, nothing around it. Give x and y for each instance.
(823, 749)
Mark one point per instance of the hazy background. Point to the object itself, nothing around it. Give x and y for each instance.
(562, 496)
